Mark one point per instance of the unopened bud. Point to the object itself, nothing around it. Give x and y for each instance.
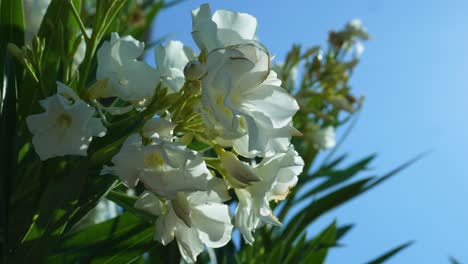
(342, 102)
(240, 174)
(16, 52)
(194, 70)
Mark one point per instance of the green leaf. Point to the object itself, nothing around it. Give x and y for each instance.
(314, 250)
(59, 30)
(317, 248)
(322, 205)
(454, 260)
(119, 240)
(94, 190)
(198, 146)
(11, 31)
(386, 256)
(342, 231)
(63, 183)
(11, 21)
(338, 197)
(335, 177)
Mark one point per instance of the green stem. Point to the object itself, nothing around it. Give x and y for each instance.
(78, 20)
(90, 49)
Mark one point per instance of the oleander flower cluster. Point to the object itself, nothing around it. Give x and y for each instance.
(225, 140)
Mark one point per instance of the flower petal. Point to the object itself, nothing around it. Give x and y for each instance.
(150, 203)
(190, 245)
(213, 224)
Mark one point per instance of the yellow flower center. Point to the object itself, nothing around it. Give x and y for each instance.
(64, 120)
(219, 99)
(154, 160)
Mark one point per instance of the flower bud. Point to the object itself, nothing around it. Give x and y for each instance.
(323, 138)
(342, 102)
(16, 52)
(194, 70)
(240, 174)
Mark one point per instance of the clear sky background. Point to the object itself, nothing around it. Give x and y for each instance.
(414, 75)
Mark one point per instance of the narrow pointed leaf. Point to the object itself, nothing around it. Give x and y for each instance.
(386, 256)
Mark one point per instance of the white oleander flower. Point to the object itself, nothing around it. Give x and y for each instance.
(278, 175)
(171, 167)
(244, 102)
(66, 127)
(223, 28)
(164, 167)
(194, 219)
(171, 61)
(323, 138)
(357, 28)
(129, 79)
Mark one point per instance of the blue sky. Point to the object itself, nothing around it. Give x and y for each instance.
(414, 76)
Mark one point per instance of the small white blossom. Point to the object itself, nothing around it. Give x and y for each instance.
(194, 219)
(323, 138)
(129, 79)
(278, 174)
(355, 25)
(66, 127)
(171, 61)
(223, 28)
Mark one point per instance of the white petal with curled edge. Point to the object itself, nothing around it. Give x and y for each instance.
(127, 48)
(204, 30)
(222, 29)
(233, 27)
(213, 223)
(166, 227)
(171, 60)
(150, 203)
(190, 245)
(138, 81)
(161, 126)
(217, 192)
(174, 55)
(128, 79)
(245, 219)
(272, 101)
(129, 162)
